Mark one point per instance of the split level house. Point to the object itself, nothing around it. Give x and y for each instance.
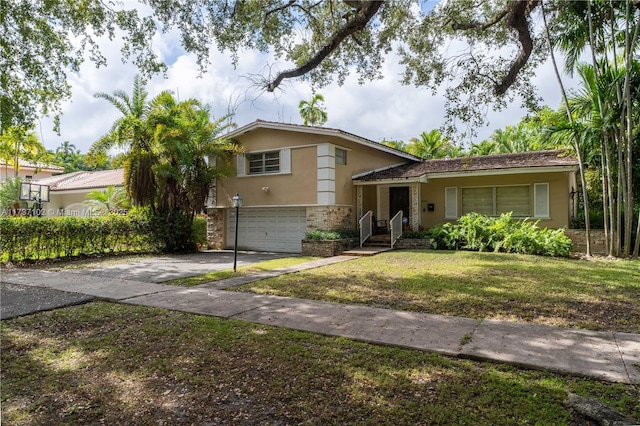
(293, 179)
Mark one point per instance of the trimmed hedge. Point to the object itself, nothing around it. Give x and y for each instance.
(30, 238)
(480, 233)
(24, 238)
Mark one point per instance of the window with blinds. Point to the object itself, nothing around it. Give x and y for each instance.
(264, 162)
(496, 200)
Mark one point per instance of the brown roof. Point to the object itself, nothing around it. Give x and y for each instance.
(521, 160)
(84, 180)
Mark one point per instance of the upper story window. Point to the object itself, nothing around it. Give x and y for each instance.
(264, 162)
(341, 156)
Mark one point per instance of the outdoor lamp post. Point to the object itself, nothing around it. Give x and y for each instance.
(237, 203)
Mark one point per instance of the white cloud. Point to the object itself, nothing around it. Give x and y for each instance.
(382, 109)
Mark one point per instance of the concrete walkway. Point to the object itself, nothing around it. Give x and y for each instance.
(608, 356)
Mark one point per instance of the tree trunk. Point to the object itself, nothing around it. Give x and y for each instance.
(637, 247)
(630, 41)
(576, 141)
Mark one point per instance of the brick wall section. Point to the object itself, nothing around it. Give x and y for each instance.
(413, 243)
(329, 218)
(215, 228)
(579, 238)
(327, 248)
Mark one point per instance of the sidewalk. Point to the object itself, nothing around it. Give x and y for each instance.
(607, 356)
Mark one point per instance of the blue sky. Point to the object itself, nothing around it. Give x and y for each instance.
(378, 110)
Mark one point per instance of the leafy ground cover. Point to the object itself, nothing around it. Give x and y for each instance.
(595, 295)
(104, 363)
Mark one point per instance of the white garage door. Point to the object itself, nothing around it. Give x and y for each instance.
(268, 229)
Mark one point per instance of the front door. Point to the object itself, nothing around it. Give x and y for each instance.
(399, 200)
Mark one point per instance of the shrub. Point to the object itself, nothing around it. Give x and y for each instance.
(416, 235)
(477, 232)
(25, 238)
(330, 235)
(199, 230)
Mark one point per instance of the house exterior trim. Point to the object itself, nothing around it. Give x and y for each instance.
(259, 124)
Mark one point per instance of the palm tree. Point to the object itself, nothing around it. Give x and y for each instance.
(399, 145)
(313, 114)
(190, 152)
(485, 147)
(132, 133)
(108, 199)
(67, 156)
(21, 143)
(432, 145)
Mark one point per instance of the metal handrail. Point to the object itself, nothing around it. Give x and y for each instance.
(365, 226)
(396, 227)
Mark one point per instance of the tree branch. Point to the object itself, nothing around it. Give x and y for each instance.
(517, 19)
(477, 25)
(516, 13)
(359, 20)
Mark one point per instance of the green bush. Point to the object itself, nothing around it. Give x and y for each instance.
(416, 235)
(30, 238)
(24, 238)
(199, 228)
(330, 235)
(480, 233)
(172, 232)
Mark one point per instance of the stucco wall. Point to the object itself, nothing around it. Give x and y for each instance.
(300, 186)
(433, 192)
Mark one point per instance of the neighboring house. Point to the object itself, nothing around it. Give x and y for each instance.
(294, 179)
(28, 171)
(67, 191)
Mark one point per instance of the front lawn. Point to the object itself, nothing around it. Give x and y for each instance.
(104, 363)
(595, 295)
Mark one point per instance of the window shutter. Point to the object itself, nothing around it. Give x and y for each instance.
(240, 165)
(541, 200)
(451, 203)
(285, 160)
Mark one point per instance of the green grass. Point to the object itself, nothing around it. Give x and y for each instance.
(267, 265)
(105, 363)
(596, 295)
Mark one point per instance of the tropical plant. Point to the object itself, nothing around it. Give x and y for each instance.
(186, 140)
(21, 143)
(480, 233)
(399, 145)
(432, 145)
(311, 112)
(173, 152)
(132, 134)
(109, 199)
(604, 119)
(9, 194)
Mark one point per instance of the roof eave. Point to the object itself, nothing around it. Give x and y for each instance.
(508, 171)
(319, 131)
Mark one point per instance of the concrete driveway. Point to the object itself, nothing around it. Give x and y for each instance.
(24, 293)
(170, 267)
